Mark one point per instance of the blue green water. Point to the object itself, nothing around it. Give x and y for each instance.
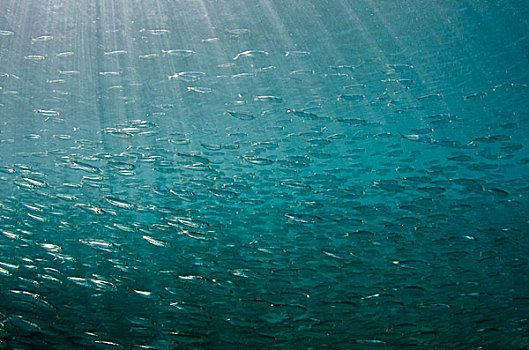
(306, 174)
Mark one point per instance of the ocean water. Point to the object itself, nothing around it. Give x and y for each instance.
(301, 174)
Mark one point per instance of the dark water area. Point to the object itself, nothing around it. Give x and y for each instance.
(302, 174)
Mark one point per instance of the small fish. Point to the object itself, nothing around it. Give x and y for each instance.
(412, 137)
(42, 38)
(179, 141)
(297, 53)
(223, 193)
(103, 285)
(85, 167)
(120, 203)
(430, 97)
(493, 138)
(268, 98)
(295, 184)
(422, 131)
(35, 58)
(241, 115)
(352, 121)
(474, 95)
(115, 53)
(116, 164)
(250, 53)
(258, 160)
(390, 186)
(304, 114)
(90, 208)
(106, 74)
(65, 54)
(417, 137)
(35, 182)
(300, 74)
(460, 158)
(370, 341)
(351, 97)
(154, 242)
(343, 67)
(148, 56)
(99, 244)
(303, 218)
(179, 52)
(47, 112)
(209, 40)
(50, 247)
(159, 31)
(211, 147)
(69, 72)
(243, 75)
(187, 76)
(332, 255)
(317, 142)
(497, 192)
(200, 90)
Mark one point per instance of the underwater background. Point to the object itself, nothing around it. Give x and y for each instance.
(306, 174)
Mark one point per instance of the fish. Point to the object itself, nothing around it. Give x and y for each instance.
(250, 53)
(268, 98)
(241, 115)
(179, 52)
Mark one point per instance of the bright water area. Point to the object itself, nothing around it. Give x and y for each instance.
(264, 173)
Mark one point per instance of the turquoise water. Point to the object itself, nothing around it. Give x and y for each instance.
(260, 174)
